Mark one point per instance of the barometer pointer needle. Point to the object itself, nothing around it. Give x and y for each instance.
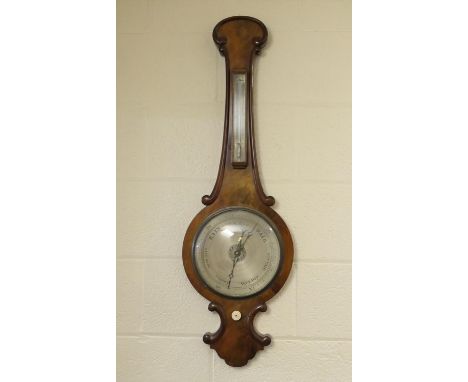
(237, 253)
(234, 260)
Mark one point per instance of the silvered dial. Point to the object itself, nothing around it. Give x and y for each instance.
(237, 252)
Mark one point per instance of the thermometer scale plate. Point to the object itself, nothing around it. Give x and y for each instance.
(239, 99)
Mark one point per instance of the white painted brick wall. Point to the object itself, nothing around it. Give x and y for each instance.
(170, 116)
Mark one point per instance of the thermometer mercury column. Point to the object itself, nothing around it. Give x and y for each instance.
(238, 143)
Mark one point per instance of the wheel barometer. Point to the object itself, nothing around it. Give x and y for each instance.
(238, 251)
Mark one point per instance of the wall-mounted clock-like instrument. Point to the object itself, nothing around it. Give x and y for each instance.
(238, 251)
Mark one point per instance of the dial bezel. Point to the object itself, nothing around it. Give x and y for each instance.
(275, 231)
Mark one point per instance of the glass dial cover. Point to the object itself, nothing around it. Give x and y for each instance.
(237, 252)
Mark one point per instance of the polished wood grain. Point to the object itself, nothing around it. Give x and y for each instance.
(238, 39)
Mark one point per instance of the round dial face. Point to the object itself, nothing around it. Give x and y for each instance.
(237, 252)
